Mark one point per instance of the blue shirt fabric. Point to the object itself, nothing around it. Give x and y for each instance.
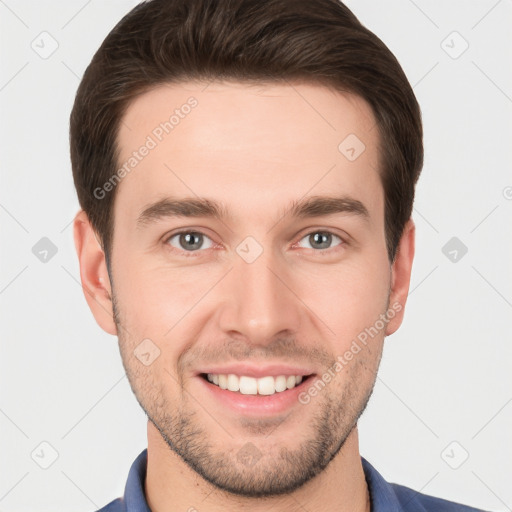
(385, 497)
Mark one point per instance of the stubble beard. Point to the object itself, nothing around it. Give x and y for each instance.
(273, 470)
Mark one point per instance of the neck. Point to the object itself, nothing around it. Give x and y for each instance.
(171, 485)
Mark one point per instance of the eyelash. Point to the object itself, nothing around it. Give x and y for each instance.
(195, 254)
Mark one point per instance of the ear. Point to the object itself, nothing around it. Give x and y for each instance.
(93, 273)
(401, 276)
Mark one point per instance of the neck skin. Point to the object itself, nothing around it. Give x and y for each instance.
(171, 485)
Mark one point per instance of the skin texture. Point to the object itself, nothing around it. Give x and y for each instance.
(255, 148)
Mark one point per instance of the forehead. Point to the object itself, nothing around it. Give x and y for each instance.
(247, 145)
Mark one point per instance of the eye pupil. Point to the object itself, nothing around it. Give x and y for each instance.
(323, 239)
(191, 240)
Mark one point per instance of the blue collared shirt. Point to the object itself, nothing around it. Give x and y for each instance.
(385, 497)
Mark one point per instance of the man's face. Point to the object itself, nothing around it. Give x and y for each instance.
(260, 286)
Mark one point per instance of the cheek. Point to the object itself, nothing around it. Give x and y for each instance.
(347, 298)
(162, 305)
(157, 296)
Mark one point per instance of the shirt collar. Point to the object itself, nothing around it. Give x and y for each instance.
(134, 494)
(382, 496)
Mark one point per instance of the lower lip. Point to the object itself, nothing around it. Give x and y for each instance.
(257, 405)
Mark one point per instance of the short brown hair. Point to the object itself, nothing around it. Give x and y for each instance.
(170, 41)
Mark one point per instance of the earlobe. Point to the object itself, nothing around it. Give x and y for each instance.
(93, 273)
(401, 277)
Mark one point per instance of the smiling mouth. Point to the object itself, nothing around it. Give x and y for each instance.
(245, 385)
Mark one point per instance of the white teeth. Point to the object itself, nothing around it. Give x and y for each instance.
(233, 382)
(266, 386)
(223, 381)
(248, 386)
(251, 386)
(280, 383)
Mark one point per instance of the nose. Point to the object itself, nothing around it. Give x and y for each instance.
(260, 302)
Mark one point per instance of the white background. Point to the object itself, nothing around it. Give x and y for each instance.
(445, 376)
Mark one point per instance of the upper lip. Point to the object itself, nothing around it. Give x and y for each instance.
(257, 371)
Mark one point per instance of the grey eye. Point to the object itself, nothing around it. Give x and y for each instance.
(320, 239)
(189, 241)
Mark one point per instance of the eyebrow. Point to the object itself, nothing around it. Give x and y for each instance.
(310, 207)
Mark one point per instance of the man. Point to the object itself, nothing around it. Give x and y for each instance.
(246, 172)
